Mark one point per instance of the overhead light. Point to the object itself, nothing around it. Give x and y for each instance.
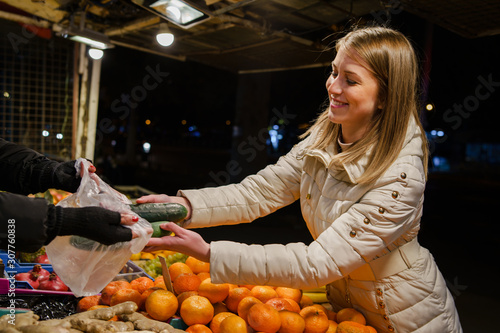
(180, 12)
(164, 36)
(96, 54)
(86, 36)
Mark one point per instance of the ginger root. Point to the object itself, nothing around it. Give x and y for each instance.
(141, 322)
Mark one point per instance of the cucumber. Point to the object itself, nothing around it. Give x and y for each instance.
(154, 212)
(159, 232)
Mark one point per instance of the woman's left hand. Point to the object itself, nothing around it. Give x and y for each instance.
(184, 241)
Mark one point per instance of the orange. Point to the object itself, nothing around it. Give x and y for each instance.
(203, 275)
(124, 295)
(111, 288)
(234, 297)
(352, 327)
(186, 282)
(264, 318)
(196, 310)
(371, 329)
(305, 301)
(198, 328)
(291, 322)
(87, 302)
(280, 303)
(315, 319)
(350, 314)
(161, 304)
(292, 293)
(332, 327)
(158, 279)
(264, 293)
(217, 320)
(233, 324)
(248, 286)
(294, 305)
(197, 266)
(183, 296)
(178, 268)
(145, 295)
(215, 292)
(141, 284)
(219, 307)
(245, 304)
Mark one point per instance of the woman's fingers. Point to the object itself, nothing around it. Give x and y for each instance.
(154, 198)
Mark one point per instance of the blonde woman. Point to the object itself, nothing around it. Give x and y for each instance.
(359, 173)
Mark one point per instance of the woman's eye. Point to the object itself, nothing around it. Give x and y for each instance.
(351, 82)
(334, 75)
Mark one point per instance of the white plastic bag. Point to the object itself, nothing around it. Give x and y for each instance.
(84, 265)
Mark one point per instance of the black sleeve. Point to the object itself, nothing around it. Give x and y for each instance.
(24, 222)
(26, 171)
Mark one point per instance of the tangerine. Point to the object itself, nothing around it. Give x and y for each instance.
(245, 304)
(178, 268)
(315, 319)
(292, 293)
(219, 307)
(280, 303)
(350, 314)
(264, 318)
(203, 275)
(183, 296)
(291, 322)
(124, 295)
(141, 284)
(111, 288)
(215, 292)
(161, 304)
(234, 297)
(87, 302)
(372, 329)
(305, 301)
(352, 327)
(217, 320)
(145, 295)
(198, 328)
(186, 282)
(197, 266)
(332, 327)
(264, 293)
(233, 324)
(196, 310)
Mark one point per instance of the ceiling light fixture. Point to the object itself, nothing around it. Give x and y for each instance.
(83, 35)
(164, 36)
(180, 12)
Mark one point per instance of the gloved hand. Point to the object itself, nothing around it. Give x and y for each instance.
(64, 177)
(96, 223)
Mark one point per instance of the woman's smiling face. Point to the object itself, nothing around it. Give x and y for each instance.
(353, 94)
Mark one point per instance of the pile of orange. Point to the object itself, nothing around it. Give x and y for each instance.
(207, 307)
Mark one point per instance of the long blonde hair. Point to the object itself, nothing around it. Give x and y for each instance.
(392, 60)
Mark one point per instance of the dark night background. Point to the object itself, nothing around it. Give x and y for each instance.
(459, 224)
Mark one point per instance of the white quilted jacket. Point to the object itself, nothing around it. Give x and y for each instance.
(333, 206)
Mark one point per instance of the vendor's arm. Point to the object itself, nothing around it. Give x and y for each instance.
(26, 171)
(29, 223)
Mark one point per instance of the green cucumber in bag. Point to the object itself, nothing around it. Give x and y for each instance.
(154, 212)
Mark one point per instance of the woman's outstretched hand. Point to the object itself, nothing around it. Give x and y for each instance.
(184, 241)
(163, 198)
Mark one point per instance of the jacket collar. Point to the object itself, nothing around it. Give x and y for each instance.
(355, 170)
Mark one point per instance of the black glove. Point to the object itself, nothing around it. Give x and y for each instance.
(96, 223)
(61, 176)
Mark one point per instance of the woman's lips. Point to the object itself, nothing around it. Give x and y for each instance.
(337, 104)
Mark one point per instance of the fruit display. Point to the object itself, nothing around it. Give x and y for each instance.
(197, 305)
(150, 262)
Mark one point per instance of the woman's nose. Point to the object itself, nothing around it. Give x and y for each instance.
(333, 86)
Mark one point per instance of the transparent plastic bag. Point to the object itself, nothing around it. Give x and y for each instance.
(84, 265)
